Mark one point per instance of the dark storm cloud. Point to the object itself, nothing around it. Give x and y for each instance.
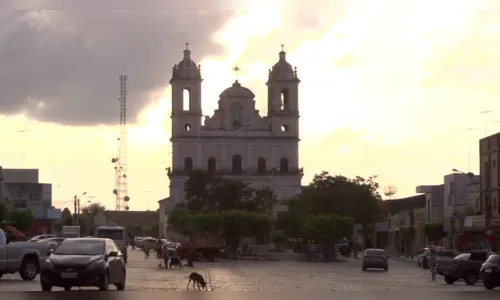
(71, 61)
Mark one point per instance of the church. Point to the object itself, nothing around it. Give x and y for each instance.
(236, 141)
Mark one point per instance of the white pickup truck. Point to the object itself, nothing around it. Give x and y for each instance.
(22, 257)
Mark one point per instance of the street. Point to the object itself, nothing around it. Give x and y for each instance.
(144, 275)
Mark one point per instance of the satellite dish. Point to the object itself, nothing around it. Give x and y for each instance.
(390, 190)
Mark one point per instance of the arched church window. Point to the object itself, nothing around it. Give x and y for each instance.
(237, 115)
(186, 99)
(261, 165)
(237, 164)
(188, 164)
(284, 165)
(212, 165)
(285, 100)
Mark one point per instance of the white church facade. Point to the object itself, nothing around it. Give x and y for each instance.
(236, 141)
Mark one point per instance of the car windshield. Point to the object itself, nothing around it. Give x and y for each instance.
(113, 234)
(493, 259)
(81, 247)
(374, 252)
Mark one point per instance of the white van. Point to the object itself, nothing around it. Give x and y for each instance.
(117, 234)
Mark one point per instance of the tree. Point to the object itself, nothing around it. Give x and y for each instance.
(356, 198)
(327, 229)
(93, 209)
(232, 225)
(4, 212)
(21, 219)
(205, 192)
(263, 200)
(434, 232)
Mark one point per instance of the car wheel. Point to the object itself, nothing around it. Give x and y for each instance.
(46, 287)
(449, 280)
(67, 288)
(29, 269)
(386, 269)
(489, 285)
(470, 278)
(120, 286)
(103, 286)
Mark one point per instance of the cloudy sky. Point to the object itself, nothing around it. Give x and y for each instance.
(388, 87)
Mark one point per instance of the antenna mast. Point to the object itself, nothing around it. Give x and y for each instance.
(121, 189)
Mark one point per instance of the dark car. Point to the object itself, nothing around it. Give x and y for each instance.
(466, 267)
(375, 259)
(490, 272)
(84, 262)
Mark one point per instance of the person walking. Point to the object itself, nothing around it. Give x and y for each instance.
(432, 262)
(159, 244)
(190, 256)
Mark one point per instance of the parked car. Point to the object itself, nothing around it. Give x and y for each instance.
(466, 267)
(445, 264)
(490, 272)
(375, 259)
(41, 237)
(22, 257)
(84, 262)
(440, 253)
(148, 243)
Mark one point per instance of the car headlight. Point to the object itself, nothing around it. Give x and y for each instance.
(98, 264)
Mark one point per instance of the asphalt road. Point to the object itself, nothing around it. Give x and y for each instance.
(144, 275)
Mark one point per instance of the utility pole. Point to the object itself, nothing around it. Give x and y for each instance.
(470, 129)
(485, 113)
(74, 210)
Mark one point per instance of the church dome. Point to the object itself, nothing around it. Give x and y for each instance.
(187, 68)
(282, 70)
(236, 90)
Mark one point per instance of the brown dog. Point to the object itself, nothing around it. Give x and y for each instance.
(198, 280)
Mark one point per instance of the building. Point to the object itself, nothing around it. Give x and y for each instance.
(434, 200)
(163, 217)
(20, 189)
(456, 195)
(236, 141)
(407, 212)
(489, 158)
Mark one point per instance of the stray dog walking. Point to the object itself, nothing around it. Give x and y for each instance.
(198, 280)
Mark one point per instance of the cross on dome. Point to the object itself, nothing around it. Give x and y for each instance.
(282, 47)
(187, 46)
(236, 69)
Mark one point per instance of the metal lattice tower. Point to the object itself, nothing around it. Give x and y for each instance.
(121, 190)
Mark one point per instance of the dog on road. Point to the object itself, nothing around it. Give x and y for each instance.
(198, 280)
